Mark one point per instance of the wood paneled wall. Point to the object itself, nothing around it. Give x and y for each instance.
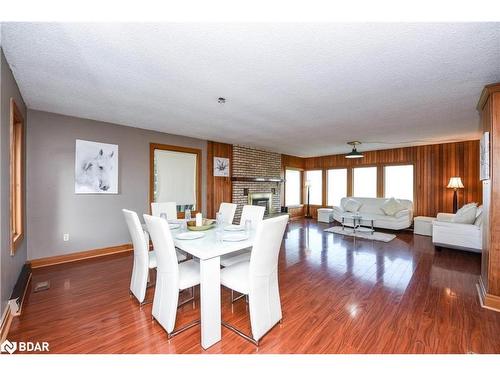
(219, 189)
(434, 165)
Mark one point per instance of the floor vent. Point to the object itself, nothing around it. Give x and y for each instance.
(41, 286)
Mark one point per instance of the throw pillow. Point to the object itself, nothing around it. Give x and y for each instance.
(352, 205)
(392, 206)
(466, 215)
(479, 216)
(479, 220)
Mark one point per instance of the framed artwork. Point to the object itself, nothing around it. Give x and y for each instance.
(221, 167)
(484, 157)
(96, 168)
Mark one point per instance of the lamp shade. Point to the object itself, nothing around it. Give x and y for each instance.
(455, 183)
(354, 154)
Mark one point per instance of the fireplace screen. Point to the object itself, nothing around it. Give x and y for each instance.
(261, 199)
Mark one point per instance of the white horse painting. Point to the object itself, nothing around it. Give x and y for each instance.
(96, 168)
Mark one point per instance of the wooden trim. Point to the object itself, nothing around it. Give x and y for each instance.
(196, 151)
(211, 179)
(17, 170)
(380, 181)
(487, 91)
(5, 323)
(487, 301)
(350, 182)
(81, 255)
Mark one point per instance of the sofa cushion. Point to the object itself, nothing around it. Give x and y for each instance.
(392, 206)
(466, 214)
(352, 205)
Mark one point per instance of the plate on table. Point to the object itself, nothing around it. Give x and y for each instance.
(234, 228)
(189, 235)
(235, 237)
(175, 221)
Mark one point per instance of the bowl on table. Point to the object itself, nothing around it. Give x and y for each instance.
(207, 224)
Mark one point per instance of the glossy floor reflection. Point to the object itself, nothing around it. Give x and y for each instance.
(339, 295)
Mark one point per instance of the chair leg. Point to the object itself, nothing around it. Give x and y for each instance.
(182, 329)
(240, 333)
(233, 300)
(189, 299)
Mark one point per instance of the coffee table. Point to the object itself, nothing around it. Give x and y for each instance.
(357, 220)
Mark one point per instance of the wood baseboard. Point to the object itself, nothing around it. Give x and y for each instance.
(487, 301)
(5, 323)
(81, 255)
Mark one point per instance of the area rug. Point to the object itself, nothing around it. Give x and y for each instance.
(376, 236)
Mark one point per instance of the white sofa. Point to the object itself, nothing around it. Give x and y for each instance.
(467, 237)
(370, 207)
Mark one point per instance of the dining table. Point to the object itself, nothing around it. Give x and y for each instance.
(208, 249)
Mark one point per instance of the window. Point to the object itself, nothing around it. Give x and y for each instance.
(315, 181)
(176, 176)
(365, 182)
(398, 181)
(337, 186)
(292, 187)
(16, 177)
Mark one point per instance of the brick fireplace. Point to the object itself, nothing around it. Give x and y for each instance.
(249, 163)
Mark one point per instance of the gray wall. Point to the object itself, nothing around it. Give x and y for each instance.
(10, 266)
(92, 221)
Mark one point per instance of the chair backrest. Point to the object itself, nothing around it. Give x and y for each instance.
(166, 295)
(266, 246)
(253, 213)
(163, 243)
(140, 241)
(264, 295)
(227, 210)
(170, 208)
(139, 238)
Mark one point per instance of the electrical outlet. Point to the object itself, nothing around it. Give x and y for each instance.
(66, 237)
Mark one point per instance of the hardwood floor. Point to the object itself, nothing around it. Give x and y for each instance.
(338, 296)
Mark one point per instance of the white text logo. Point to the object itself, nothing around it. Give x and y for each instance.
(24, 346)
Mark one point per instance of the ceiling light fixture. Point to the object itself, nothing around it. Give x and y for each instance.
(221, 100)
(354, 154)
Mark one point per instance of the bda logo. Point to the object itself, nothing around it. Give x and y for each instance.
(8, 347)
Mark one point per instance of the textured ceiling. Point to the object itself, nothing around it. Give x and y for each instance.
(303, 89)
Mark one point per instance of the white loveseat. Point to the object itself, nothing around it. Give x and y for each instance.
(370, 207)
(460, 236)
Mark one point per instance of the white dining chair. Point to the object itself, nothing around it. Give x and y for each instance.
(171, 277)
(258, 279)
(227, 210)
(255, 214)
(144, 260)
(169, 208)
